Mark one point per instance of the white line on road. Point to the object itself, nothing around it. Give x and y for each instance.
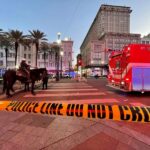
(88, 101)
(65, 94)
(69, 87)
(67, 90)
(110, 92)
(138, 104)
(72, 86)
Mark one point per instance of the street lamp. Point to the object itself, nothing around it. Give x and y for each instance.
(61, 54)
(57, 55)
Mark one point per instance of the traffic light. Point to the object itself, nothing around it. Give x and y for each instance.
(79, 60)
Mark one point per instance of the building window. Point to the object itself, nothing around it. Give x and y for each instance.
(46, 56)
(29, 56)
(69, 54)
(25, 48)
(1, 54)
(1, 63)
(24, 55)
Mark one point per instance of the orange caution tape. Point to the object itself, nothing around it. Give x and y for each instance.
(114, 112)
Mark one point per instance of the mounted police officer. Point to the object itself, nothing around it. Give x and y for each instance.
(25, 68)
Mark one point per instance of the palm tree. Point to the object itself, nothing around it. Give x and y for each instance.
(37, 36)
(45, 49)
(16, 36)
(6, 43)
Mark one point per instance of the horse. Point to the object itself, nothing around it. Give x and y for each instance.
(10, 77)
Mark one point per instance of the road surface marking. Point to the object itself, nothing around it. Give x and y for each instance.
(110, 92)
(67, 90)
(71, 87)
(58, 86)
(137, 104)
(65, 94)
(87, 101)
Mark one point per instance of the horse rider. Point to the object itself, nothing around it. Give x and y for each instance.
(26, 68)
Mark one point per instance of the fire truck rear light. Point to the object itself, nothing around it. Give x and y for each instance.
(112, 81)
(122, 83)
(127, 79)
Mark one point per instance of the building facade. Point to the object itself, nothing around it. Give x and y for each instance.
(146, 39)
(65, 60)
(29, 54)
(110, 30)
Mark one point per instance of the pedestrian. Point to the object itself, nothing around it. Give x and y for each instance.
(45, 79)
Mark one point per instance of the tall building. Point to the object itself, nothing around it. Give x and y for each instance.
(109, 31)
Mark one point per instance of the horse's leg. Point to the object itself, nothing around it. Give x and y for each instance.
(28, 86)
(4, 84)
(25, 87)
(46, 84)
(7, 92)
(11, 87)
(4, 87)
(43, 85)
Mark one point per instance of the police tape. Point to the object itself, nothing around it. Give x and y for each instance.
(100, 111)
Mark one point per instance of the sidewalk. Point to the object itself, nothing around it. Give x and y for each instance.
(22, 131)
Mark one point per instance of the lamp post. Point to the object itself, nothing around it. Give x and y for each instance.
(61, 54)
(57, 55)
(57, 62)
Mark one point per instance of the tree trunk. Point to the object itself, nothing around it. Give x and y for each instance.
(44, 59)
(16, 51)
(36, 55)
(6, 53)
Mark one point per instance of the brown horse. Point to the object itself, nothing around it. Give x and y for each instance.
(10, 78)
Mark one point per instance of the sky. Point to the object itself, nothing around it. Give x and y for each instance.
(72, 18)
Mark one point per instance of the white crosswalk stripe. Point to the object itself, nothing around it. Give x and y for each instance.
(68, 90)
(65, 94)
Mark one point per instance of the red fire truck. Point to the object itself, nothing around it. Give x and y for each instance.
(129, 69)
